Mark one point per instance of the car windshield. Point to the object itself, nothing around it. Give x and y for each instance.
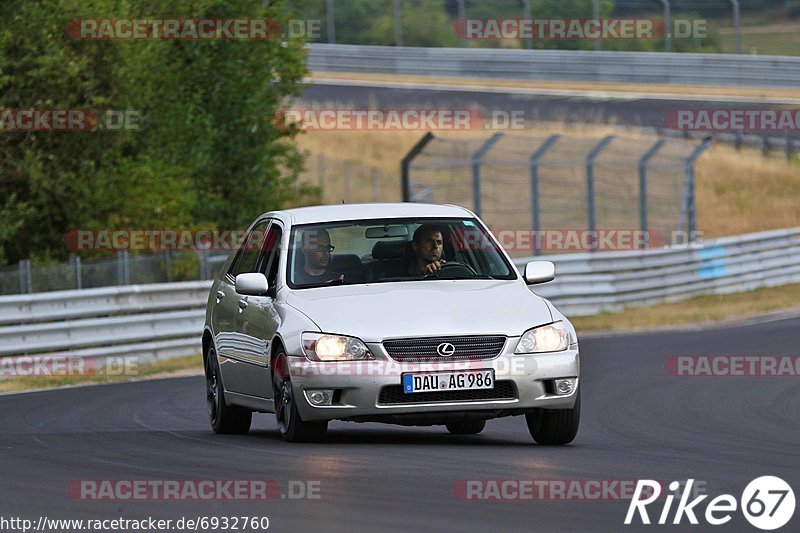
(393, 250)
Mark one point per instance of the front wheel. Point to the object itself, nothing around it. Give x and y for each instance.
(555, 426)
(224, 418)
(291, 426)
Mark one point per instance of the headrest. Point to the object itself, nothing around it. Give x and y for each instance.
(389, 249)
(342, 262)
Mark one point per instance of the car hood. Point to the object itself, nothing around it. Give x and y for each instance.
(423, 308)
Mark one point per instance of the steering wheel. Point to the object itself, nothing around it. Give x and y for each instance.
(456, 266)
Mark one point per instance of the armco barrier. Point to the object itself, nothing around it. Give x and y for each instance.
(156, 321)
(563, 65)
(591, 283)
(166, 320)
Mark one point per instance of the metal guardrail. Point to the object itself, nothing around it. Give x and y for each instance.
(105, 301)
(563, 65)
(591, 283)
(155, 321)
(165, 320)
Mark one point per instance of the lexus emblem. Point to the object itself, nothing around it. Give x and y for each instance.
(445, 349)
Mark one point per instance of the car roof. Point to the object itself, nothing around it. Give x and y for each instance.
(330, 213)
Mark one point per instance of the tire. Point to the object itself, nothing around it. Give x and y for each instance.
(291, 426)
(555, 426)
(224, 418)
(466, 427)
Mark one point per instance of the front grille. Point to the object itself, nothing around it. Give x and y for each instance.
(468, 348)
(394, 395)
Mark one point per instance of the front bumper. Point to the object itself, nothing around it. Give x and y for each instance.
(358, 385)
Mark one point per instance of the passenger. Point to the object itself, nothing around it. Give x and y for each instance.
(315, 245)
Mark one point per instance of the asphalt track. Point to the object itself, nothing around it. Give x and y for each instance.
(616, 108)
(638, 422)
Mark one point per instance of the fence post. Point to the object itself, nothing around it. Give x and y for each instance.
(405, 164)
(346, 170)
(25, 282)
(321, 170)
(123, 268)
(167, 264)
(596, 15)
(737, 26)
(398, 23)
(461, 15)
(331, 21)
(643, 162)
(526, 14)
(376, 185)
(788, 146)
(534, 166)
(77, 264)
(667, 25)
(476, 170)
(204, 266)
(590, 160)
(689, 210)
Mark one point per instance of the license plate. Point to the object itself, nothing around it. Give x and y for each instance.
(447, 381)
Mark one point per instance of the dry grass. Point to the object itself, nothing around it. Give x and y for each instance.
(499, 83)
(698, 310)
(742, 192)
(180, 366)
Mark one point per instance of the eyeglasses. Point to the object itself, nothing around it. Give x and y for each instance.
(323, 248)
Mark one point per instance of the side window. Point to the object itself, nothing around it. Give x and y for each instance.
(247, 257)
(272, 253)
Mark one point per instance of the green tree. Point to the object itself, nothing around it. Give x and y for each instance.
(209, 151)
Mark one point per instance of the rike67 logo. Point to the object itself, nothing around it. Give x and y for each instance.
(767, 503)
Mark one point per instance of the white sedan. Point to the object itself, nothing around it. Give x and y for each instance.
(407, 313)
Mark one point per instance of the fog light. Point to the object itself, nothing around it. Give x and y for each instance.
(564, 386)
(319, 397)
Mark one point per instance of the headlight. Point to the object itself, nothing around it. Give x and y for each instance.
(550, 338)
(326, 347)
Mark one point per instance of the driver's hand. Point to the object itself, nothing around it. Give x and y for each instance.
(434, 268)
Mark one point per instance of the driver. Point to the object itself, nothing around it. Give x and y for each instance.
(428, 246)
(316, 249)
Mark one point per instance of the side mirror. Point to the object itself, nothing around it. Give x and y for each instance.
(539, 272)
(252, 284)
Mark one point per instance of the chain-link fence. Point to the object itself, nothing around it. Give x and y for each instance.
(764, 27)
(346, 181)
(124, 269)
(562, 183)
